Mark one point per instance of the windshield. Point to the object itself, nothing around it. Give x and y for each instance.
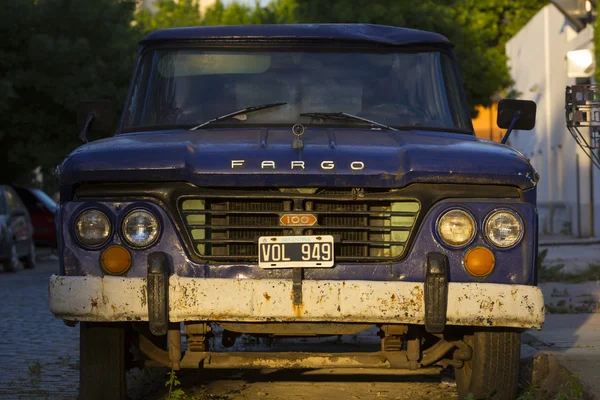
(181, 88)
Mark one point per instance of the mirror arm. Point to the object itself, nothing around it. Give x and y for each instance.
(510, 127)
(88, 122)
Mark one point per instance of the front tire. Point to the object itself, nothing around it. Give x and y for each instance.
(102, 362)
(493, 371)
(12, 263)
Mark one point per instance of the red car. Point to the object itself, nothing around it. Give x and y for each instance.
(42, 210)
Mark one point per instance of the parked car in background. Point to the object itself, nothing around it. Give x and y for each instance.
(42, 210)
(16, 231)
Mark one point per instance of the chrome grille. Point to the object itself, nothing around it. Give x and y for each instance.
(366, 228)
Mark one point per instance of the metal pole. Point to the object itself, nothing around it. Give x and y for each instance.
(591, 198)
(174, 336)
(578, 196)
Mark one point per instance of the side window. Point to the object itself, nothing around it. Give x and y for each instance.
(133, 113)
(457, 105)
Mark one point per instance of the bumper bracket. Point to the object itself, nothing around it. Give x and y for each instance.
(436, 292)
(158, 293)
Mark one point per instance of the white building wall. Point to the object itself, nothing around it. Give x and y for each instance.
(537, 58)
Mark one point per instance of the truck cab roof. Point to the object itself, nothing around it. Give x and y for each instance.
(387, 35)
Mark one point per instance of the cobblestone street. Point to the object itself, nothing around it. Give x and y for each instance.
(38, 353)
(39, 359)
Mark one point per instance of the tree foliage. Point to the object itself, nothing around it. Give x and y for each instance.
(54, 54)
(276, 12)
(168, 14)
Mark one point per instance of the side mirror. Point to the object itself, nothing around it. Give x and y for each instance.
(97, 113)
(516, 114)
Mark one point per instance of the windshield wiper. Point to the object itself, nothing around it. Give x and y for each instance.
(238, 112)
(342, 116)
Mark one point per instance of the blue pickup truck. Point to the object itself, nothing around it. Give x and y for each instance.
(303, 180)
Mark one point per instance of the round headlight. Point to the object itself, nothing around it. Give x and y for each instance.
(140, 228)
(92, 228)
(504, 228)
(456, 228)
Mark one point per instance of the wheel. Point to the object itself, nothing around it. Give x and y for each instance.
(29, 260)
(102, 361)
(493, 371)
(12, 263)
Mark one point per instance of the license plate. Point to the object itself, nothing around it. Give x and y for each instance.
(295, 251)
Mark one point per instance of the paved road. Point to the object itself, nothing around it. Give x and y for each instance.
(39, 360)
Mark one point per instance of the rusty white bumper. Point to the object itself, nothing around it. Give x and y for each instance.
(198, 299)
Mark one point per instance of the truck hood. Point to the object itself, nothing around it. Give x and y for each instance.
(246, 157)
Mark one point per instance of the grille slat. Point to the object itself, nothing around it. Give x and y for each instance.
(364, 229)
(368, 213)
(342, 241)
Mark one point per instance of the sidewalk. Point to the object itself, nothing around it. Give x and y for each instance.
(571, 332)
(575, 254)
(575, 340)
(560, 240)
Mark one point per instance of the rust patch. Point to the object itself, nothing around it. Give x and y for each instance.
(266, 296)
(487, 306)
(94, 302)
(144, 297)
(386, 176)
(298, 310)
(417, 292)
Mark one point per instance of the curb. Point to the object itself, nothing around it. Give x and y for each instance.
(568, 242)
(543, 370)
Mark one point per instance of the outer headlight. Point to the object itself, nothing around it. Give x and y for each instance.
(92, 228)
(456, 228)
(140, 228)
(504, 228)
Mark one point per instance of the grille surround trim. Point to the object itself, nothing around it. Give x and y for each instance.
(366, 220)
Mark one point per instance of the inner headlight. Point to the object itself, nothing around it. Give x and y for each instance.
(140, 228)
(456, 228)
(504, 228)
(92, 228)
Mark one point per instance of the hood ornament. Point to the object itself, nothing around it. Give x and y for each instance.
(298, 130)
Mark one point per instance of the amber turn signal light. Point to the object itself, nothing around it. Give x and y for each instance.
(115, 260)
(479, 261)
